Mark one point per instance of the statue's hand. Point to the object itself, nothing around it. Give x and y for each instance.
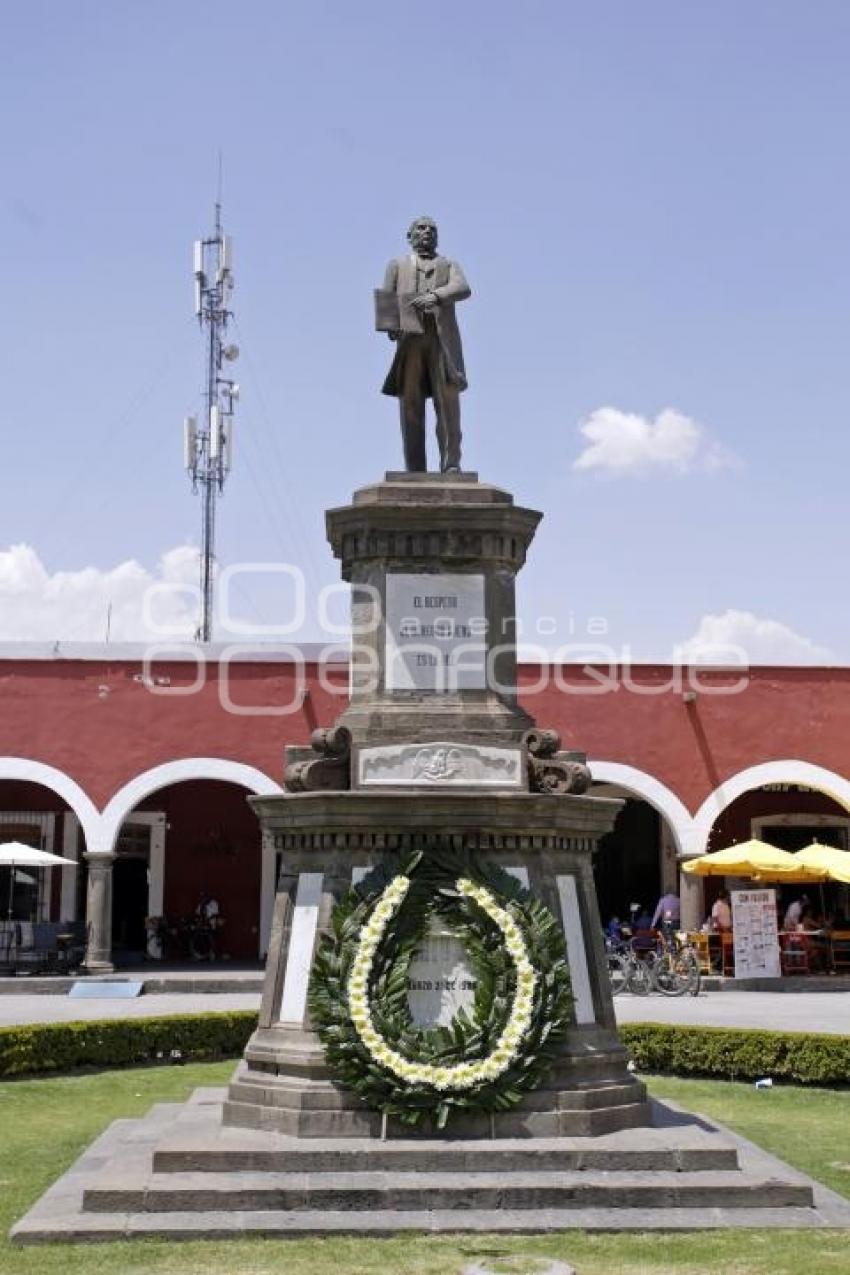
(426, 301)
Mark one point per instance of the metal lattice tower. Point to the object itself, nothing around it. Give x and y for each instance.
(208, 446)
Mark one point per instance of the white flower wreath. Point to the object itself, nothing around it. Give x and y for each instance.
(461, 1075)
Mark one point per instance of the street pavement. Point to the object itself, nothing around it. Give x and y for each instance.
(20, 1008)
(780, 1011)
(776, 1011)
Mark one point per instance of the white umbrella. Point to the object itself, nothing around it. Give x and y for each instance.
(14, 854)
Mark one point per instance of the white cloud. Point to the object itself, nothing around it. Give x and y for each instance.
(73, 605)
(760, 642)
(624, 444)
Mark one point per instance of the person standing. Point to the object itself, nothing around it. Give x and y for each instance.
(721, 913)
(668, 910)
(792, 916)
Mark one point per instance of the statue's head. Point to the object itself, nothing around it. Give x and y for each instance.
(422, 235)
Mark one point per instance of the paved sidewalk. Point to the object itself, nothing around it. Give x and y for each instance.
(779, 1011)
(59, 1009)
(804, 1011)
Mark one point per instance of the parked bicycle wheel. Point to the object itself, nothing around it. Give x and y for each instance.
(618, 972)
(677, 973)
(640, 978)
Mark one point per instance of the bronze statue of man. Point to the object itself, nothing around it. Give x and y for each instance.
(416, 307)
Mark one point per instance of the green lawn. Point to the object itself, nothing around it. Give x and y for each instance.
(45, 1123)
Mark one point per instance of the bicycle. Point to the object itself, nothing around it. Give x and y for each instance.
(674, 967)
(627, 972)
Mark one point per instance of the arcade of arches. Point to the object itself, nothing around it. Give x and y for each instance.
(200, 837)
(98, 768)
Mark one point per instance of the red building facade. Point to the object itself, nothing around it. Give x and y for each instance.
(146, 764)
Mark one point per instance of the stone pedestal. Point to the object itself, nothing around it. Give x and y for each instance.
(470, 539)
(329, 840)
(432, 753)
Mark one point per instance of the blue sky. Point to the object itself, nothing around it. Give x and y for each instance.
(650, 202)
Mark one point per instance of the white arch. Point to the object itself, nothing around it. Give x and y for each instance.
(790, 771)
(174, 772)
(38, 772)
(652, 790)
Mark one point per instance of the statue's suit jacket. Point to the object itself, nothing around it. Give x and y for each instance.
(450, 286)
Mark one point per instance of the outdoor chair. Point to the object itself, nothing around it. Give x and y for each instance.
(727, 954)
(840, 944)
(794, 954)
(699, 942)
(35, 947)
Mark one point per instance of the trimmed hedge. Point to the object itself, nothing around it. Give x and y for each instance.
(732, 1054)
(123, 1042)
(738, 1054)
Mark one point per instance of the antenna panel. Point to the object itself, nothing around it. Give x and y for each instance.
(226, 258)
(215, 431)
(190, 442)
(198, 258)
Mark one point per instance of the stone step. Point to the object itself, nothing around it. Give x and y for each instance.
(99, 1227)
(388, 1157)
(421, 1192)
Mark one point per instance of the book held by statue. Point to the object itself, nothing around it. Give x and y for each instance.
(394, 312)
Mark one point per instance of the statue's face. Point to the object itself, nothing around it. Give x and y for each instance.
(423, 236)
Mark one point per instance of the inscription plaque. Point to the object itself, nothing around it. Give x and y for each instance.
(435, 633)
(439, 981)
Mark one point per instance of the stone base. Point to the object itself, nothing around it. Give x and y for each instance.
(180, 1172)
(284, 1085)
(320, 1110)
(96, 968)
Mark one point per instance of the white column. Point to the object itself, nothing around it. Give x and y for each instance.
(156, 867)
(45, 884)
(692, 895)
(98, 959)
(576, 955)
(268, 890)
(299, 959)
(668, 865)
(70, 843)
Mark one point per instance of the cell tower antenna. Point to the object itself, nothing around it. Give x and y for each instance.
(208, 442)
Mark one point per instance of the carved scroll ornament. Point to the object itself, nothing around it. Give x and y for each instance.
(330, 770)
(551, 770)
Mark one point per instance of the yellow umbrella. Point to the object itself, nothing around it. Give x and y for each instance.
(754, 859)
(834, 863)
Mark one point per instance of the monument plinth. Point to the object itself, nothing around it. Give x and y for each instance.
(433, 756)
(432, 561)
